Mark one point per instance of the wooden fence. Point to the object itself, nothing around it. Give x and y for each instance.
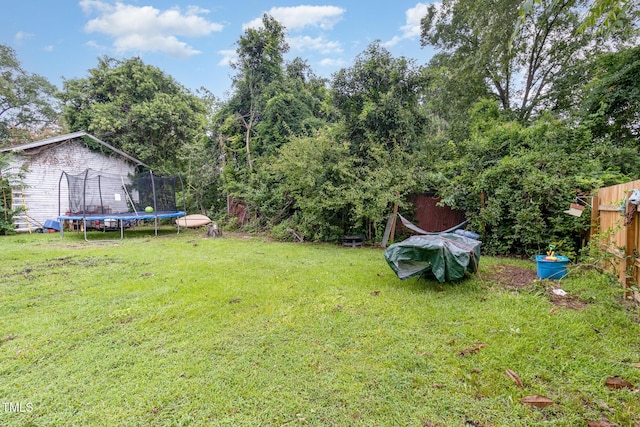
(612, 212)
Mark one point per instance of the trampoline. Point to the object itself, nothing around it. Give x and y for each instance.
(105, 202)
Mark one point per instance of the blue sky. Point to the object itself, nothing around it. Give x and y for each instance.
(193, 41)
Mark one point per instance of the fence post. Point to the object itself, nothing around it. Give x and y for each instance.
(595, 215)
(630, 250)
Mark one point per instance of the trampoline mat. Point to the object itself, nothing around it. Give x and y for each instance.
(124, 216)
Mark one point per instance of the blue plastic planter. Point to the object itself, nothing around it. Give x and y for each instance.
(548, 269)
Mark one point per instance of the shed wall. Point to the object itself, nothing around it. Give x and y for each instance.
(38, 189)
(433, 218)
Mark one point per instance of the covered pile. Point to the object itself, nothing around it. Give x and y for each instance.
(445, 255)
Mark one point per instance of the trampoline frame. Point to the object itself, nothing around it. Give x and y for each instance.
(120, 217)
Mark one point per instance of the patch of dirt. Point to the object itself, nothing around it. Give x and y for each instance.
(515, 278)
(567, 301)
(511, 277)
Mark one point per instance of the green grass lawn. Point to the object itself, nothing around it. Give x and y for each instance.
(238, 331)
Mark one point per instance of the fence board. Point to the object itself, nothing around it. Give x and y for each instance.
(610, 210)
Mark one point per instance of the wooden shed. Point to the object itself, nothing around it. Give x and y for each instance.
(433, 218)
(35, 169)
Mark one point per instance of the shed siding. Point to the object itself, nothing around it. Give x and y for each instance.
(433, 218)
(41, 181)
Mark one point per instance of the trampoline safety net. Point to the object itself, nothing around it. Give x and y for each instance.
(94, 193)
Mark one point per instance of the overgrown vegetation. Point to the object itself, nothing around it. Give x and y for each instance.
(244, 331)
(139, 109)
(6, 197)
(6, 214)
(28, 105)
(523, 107)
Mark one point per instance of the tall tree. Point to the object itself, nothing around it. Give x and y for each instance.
(379, 99)
(296, 105)
(610, 103)
(138, 108)
(27, 101)
(259, 64)
(383, 121)
(273, 101)
(477, 39)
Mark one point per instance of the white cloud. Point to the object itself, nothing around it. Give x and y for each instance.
(228, 56)
(154, 43)
(48, 48)
(299, 17)
(95, 45)
(88, 6)
(318, 44)
(411, 29)
(21, 35)
(332, 62)
(147, 29)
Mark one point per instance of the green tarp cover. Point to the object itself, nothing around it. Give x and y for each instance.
(447, 256)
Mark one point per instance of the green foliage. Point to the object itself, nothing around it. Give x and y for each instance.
(378, 99)
(138, 109)
(316, 174)
(400, 130)
(6, 213)
(611, 102)
(27, 101)
(340, 179)
(260, 66)
(273, 103)
(260, 56)
(295, 106)
(597, 254)
(449, 98)
(6, 196)
(609, 16)
(476, 42)
(514, 182)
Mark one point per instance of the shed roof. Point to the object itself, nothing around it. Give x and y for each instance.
(67, 137)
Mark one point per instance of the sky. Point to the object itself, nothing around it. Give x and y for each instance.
(194, 41)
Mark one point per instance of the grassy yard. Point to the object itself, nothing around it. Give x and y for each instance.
(238, 331)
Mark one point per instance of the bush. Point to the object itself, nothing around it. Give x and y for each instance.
(514, 182)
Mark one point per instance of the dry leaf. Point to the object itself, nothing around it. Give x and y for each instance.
(604, 423)
(467, 351)
(636, 365)
(516, 379)
(537, 401)
(615, 383)
(476, 348)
